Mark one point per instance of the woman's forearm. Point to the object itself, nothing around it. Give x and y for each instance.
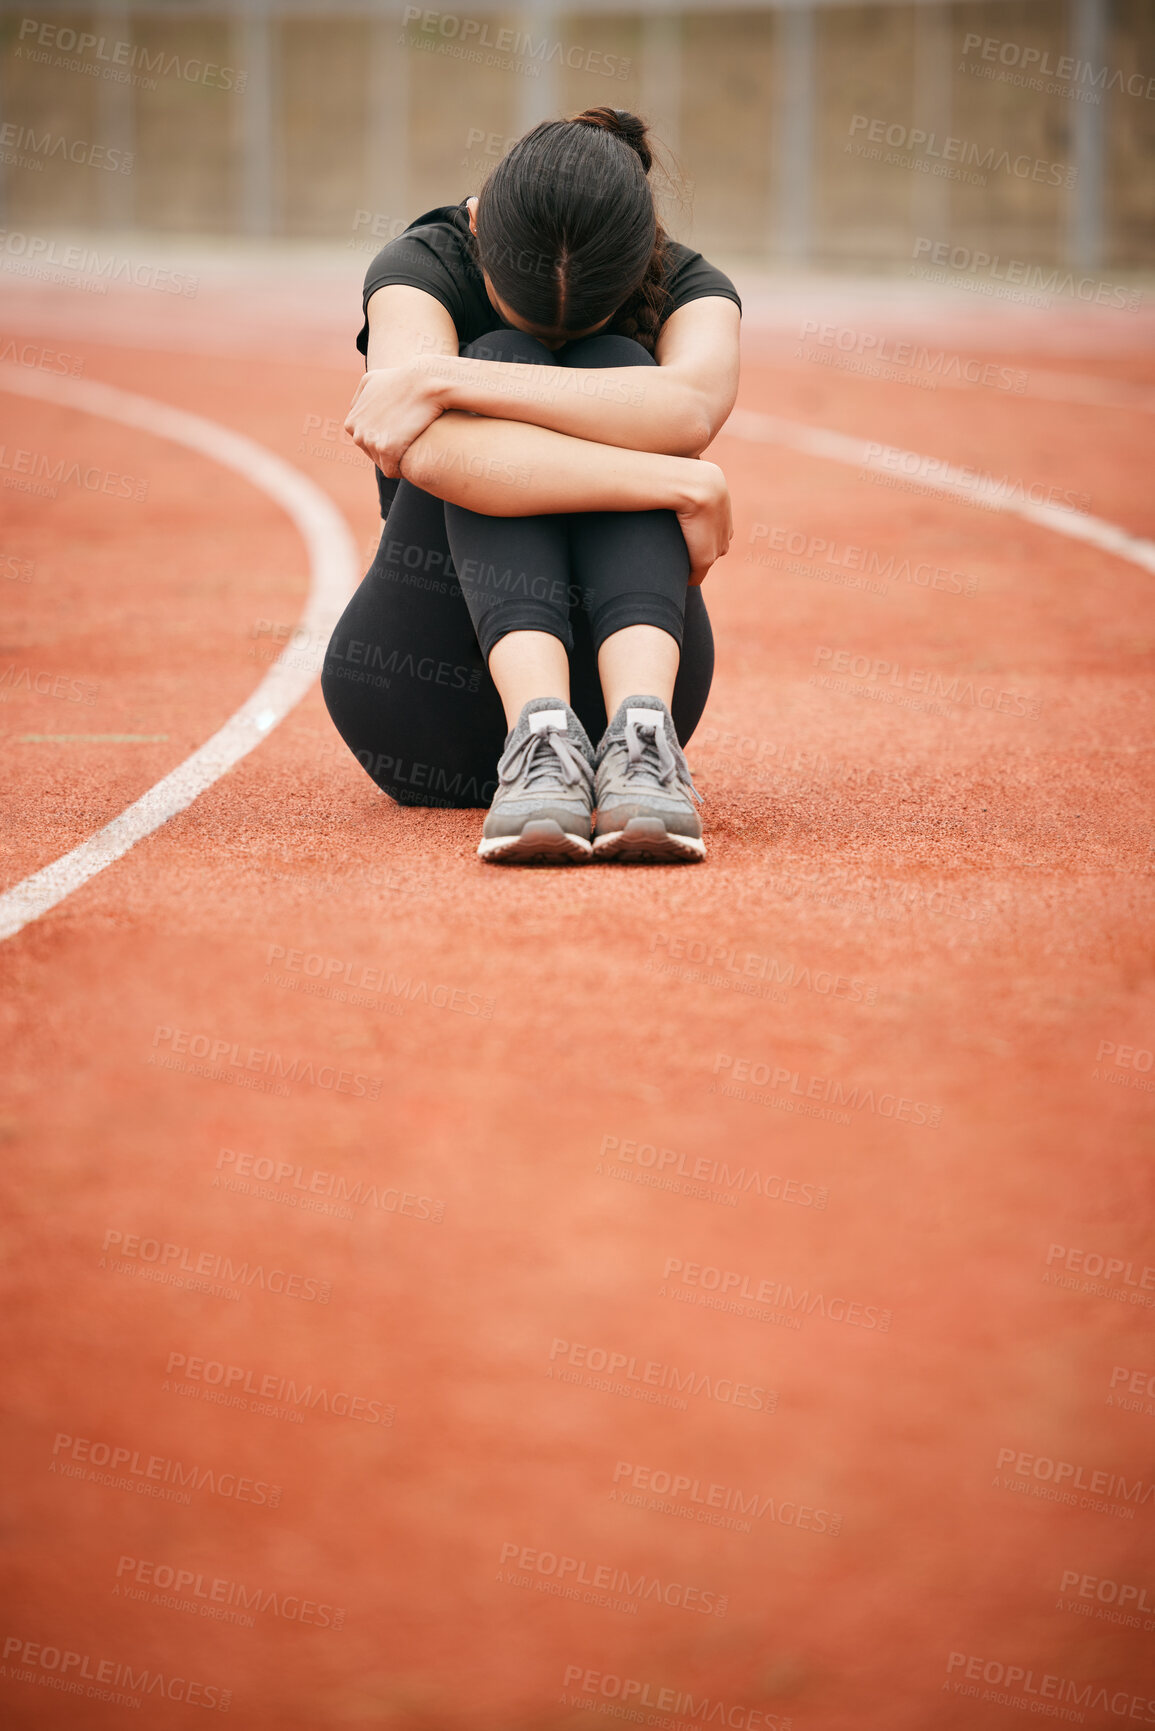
(637, 408)
(512, 468)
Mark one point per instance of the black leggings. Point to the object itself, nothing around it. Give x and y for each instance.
(406, 679)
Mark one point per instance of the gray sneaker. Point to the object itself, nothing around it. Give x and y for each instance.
(644, 789)
(542, 809)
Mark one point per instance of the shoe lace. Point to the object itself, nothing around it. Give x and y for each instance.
(544, 757)
(652, 758)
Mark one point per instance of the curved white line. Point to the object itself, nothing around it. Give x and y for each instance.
(938, 475)
(334, 570)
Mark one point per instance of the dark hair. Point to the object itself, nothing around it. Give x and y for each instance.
(567, 230)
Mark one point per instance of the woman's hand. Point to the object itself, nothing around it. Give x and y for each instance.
(705, 516)
(391, 407)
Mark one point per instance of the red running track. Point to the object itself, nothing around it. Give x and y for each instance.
(715, 1296)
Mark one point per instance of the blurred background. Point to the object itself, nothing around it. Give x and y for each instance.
(797, 134)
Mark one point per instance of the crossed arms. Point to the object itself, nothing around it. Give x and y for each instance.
(516, 441)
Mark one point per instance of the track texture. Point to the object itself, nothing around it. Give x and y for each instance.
(724, 1282)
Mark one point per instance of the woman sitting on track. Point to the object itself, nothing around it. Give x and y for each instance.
(544, 368)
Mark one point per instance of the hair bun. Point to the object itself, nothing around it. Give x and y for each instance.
(624, 125)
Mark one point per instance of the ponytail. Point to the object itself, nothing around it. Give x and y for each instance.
(644, 313)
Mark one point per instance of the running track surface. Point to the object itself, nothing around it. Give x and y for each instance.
(548, 1191)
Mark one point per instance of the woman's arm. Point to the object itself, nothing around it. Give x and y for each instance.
(511, 468)
(676, 408)
(507, 469)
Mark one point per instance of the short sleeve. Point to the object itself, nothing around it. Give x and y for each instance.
(694, 278)
(432, 255)
(428, 258)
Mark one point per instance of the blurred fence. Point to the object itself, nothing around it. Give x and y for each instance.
(796, 132)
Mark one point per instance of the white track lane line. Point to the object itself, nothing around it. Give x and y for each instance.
(939, 476)
(334, 571)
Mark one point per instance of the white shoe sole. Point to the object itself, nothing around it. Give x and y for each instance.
(543, 842)
(647, 841)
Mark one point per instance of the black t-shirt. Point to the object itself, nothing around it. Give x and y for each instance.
(434, 254)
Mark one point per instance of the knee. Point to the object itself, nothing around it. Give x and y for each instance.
(510, 345)
(608, 350)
